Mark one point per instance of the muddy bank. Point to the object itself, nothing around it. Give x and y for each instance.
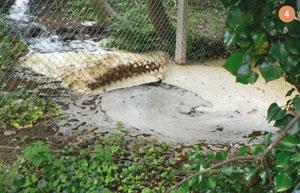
(191, 104)
(169, 113)
(12, 140)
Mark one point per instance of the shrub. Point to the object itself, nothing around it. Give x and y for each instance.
(11, 48)
(114, 165)
(138, 33)
(260, 41)
(22, 110)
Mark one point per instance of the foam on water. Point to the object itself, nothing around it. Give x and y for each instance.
(47, 42)
(20, 11)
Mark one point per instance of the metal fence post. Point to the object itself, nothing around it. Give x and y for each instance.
(181, 32)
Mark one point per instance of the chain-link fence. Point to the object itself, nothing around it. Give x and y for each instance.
(87, 44)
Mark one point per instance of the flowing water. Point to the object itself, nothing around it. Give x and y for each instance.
(20, 20)
(19, 11)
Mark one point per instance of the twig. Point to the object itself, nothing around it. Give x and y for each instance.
(280, 136)
(220, 164)
(269, 173)
(296, 188)
(8, 147)
(261, 157)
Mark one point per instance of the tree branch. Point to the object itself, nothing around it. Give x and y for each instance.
(236, 159)
(261, 157)
(269, 173)
(8, 147)
(281, 135)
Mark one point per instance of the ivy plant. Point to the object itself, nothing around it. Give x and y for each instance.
(112, 164)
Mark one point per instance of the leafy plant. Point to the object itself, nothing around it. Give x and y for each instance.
(270, 166)
(137, 34)
(22, 110)
(263, 41)
(260, 41)
(114, 164)
(11, 48)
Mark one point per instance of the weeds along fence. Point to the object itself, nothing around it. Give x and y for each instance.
(63, 35)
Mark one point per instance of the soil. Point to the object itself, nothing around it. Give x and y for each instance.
(46, 130)
(11, 146)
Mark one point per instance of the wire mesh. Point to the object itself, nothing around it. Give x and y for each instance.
(88, 44)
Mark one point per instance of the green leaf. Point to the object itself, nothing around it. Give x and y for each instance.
(282, 123)
(282, 182)
(290, 64)
(270, 71)
(269, 25)
(294, 28)
(296, 104)
(212, 183)
(275, 113)
(243, 40)
(105, 190)
(250, 174)
(34, 178)
(278, 52)
(290, 142)
(293, 45)
(243, 150)
(229, 39)
(295, 157)
(263, 176)
(282, 159)
(245, 75)
(238, 19)
(260, 43)
(244, 71)
(257, 149)
(234, 62)
(211, 155)
(295, 129)
(221, 156)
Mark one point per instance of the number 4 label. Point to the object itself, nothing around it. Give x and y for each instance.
(287, 14)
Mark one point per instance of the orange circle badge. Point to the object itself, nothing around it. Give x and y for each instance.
(287, 14)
